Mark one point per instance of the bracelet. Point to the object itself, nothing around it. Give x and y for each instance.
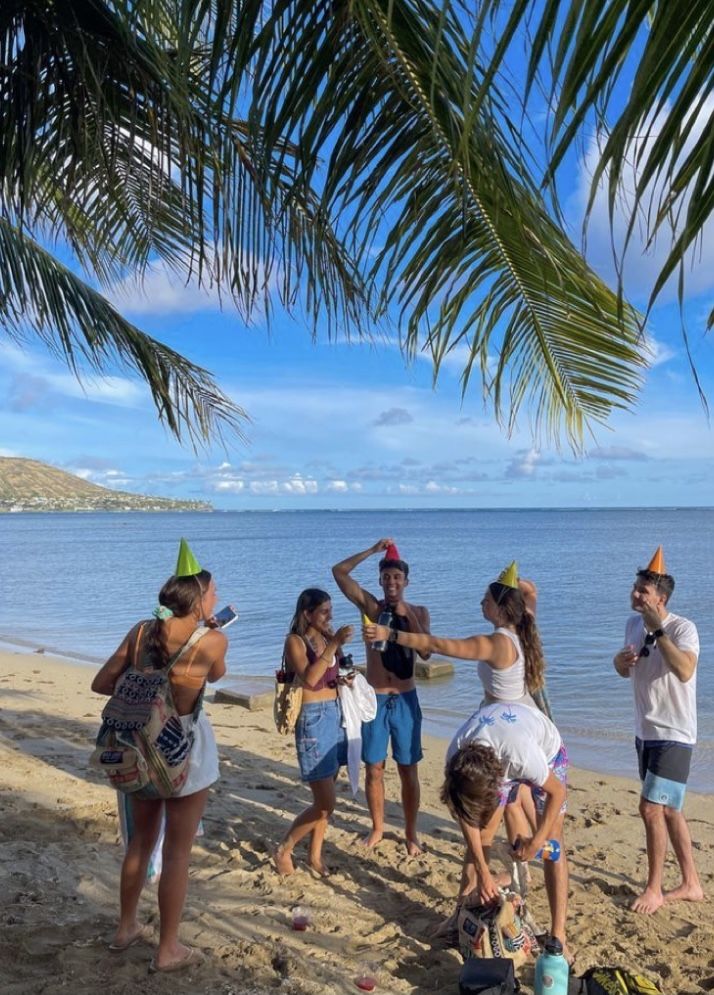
(658, 633)
(392, 637)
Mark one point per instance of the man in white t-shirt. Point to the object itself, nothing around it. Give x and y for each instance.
(660, 659)
(499, 748)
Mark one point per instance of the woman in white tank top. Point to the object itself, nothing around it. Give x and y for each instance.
(510, 661)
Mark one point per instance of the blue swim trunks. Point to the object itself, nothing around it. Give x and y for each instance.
(321, 740)
(398, 719)
(664, 769)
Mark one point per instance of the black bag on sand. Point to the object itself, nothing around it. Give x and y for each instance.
(488, 976)
(616, 981)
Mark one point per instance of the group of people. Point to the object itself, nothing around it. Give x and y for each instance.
(507, 759)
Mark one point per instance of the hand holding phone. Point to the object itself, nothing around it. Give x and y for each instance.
(224, 617)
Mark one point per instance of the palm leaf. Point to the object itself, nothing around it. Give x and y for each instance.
(112, 140)
(39, 297)
(436, 202)
(643, 73)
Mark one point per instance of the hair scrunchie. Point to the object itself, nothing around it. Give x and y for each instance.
(162, 613)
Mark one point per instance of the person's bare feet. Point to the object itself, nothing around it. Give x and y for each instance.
(648, 902)
(177, 959)
(319, 868)
(414, 848)
(684, 893)
(127, 937)
(283, 862)
(372, 839)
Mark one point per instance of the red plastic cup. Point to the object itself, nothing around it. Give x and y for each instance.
(301, 919)
(366, 979)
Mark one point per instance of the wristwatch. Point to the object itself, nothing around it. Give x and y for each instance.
(392, 637)
(658, 633)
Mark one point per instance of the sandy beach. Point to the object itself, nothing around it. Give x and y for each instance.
(60, 859)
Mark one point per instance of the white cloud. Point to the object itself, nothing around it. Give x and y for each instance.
(643, 263)
(164, 292)
(524, 463)
(114, 390)
(617, 453)
(432, 487)
(657, 352)
(230, 486)
(394, 416)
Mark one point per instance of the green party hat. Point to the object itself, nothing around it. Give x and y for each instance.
(509, 576)
(187, 565)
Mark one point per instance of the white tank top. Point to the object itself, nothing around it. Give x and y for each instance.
(508, 684)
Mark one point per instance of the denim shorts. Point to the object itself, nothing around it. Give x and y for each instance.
(508, 791)
(398, 719)
(321, 740)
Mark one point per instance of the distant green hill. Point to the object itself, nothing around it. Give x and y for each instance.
(28, 485)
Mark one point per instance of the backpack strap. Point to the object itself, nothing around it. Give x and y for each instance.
(137, 640)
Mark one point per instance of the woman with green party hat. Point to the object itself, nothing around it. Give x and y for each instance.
(174, 638)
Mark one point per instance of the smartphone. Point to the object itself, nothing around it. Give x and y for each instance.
(225, 616)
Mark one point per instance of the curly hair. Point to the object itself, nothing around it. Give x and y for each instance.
(471, 782)
(180, 594)
(512, 603)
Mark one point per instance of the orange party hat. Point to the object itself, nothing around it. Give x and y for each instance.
(656, 564)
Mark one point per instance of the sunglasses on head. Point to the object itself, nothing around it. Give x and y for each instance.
(650, 638)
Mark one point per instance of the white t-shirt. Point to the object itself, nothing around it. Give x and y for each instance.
(524, 740)
(665, 707)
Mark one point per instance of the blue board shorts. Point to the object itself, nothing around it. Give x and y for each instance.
(508, 792)
(321, 740)
(398, 719)
(664, 769)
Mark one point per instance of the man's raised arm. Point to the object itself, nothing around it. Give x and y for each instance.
(365, 601)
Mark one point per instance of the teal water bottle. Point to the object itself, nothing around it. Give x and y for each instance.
(551, 970)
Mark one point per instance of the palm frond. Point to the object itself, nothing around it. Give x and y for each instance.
(642, 73)
(438, 206)
(40, 297)
(113, 137)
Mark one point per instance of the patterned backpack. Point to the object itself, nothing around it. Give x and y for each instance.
(142, 745)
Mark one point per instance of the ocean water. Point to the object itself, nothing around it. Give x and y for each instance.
(76, 583)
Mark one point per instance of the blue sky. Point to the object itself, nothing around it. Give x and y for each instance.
(345, 425)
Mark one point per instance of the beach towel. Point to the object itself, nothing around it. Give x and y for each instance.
(359, 704)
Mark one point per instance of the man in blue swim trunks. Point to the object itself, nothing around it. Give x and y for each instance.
(660, 659)
(391, 674)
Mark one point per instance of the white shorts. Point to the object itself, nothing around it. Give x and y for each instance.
(203, 762)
